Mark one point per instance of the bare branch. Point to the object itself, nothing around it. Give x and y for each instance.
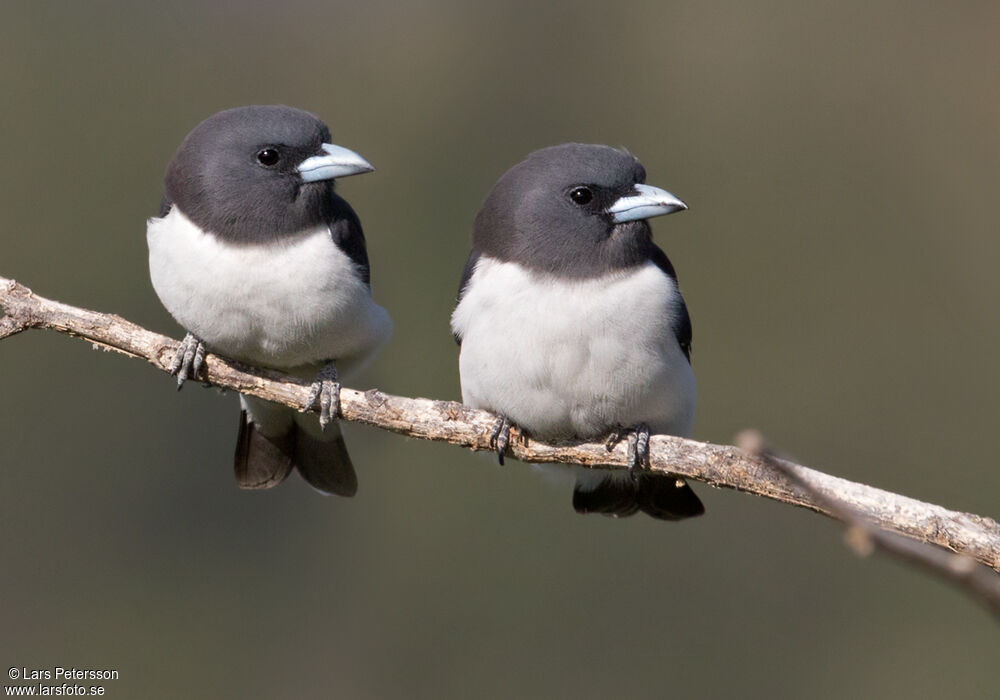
(8, 324)
(863, 538)
(8, 327)
(447, 421)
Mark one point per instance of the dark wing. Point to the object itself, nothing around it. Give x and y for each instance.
(165, 205)
(470, 265)
(682, 328)
(682, 321)
(345, 227)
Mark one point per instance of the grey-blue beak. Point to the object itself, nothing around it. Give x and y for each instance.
(336, 161)
(647, 202)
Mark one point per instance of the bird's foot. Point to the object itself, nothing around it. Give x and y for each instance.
(326, 388)
(638, 450)
(187, 360)
(500, 436)
(614, 438)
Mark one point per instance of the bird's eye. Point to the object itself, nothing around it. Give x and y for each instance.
(581, 195)
(268, 157)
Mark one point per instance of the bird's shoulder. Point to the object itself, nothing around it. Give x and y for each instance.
(165, 206)
(470, 266)
(345, 228)
(682, 319)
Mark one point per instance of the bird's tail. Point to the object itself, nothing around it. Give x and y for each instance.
(262, 462)
(265, 460)
(660, 496)
(325, 463)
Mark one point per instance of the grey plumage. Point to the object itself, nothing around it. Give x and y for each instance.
(214, 179)
(257, 256)
(570, 320)
(529, 218)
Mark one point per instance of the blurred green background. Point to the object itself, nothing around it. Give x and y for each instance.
(841, 161)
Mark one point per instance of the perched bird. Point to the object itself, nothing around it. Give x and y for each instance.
(571, 323)
(259, 259)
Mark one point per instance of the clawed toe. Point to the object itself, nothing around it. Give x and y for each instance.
(638, 447)
(327, 389)
(500, 437)
(187, 360)
(638, 450)
(613, 439)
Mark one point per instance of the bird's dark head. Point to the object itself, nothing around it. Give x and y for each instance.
(574, 210)
(257, 173)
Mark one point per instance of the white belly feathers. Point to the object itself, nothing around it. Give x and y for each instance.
(291, 303)
(574, 357)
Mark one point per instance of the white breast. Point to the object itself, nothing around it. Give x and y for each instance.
(295, 302)
(565, 358)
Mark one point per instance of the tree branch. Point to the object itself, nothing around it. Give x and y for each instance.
(864, 538)
(447, 421)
